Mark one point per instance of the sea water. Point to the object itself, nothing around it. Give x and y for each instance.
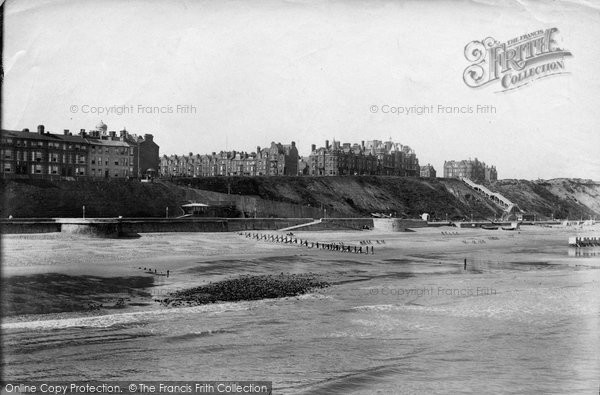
(407, 328)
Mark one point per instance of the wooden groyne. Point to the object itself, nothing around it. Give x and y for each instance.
(584, 241)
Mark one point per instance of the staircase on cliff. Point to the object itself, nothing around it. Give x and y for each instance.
(501, 201)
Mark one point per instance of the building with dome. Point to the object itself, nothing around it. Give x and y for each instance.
(97, 153)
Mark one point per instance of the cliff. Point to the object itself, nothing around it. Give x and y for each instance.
(298, 197)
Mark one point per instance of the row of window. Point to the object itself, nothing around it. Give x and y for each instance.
(67, 146)
(119, 162)
(43, 144)
(111, 172)
(39, 169)
(38, 156)
(112, 150)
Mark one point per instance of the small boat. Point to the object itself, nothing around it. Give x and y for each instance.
(513, 226)
(489, 227)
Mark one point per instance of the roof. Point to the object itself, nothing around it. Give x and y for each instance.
(110, 143)
(45, 137)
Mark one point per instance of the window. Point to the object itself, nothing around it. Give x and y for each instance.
(8, 168)
(7, 153)
(53, 169)
(116, 162)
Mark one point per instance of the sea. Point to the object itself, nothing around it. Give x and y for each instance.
(389, 326)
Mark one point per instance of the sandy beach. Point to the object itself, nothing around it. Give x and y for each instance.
(413, 287)
(92, 270)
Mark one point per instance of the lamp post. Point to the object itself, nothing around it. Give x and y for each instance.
(167, 212)
(83, 207)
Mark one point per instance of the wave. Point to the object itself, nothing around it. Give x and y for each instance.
(109, 320)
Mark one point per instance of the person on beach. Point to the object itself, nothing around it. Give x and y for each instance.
(167, 274)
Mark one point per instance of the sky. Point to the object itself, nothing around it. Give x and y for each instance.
(306, 71)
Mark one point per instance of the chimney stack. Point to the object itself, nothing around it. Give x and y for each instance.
(327, 144)
(66, 132)
(313, 147)
(148, 137)
(26, 130)
(40, 129)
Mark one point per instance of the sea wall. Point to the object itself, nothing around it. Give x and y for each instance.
(338, 224)
(397, 224)
(29, 226)
(115, 227)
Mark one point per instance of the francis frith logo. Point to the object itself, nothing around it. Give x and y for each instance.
(516, 62)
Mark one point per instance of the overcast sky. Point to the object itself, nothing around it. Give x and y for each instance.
(306, 71)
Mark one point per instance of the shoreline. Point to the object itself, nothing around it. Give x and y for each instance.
(196, 259)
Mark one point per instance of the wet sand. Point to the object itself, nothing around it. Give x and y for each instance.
(54, 273)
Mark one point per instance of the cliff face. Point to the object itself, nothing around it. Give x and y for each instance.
(410, 197)
(47, 199)
(561, 198)
(292, 196)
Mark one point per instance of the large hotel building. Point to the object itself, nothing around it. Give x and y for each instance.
(372, 157)
(97, 154)
(472, 169)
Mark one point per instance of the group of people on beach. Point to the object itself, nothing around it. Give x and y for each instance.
(155, 272)
(291, 239)
(476, 241)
